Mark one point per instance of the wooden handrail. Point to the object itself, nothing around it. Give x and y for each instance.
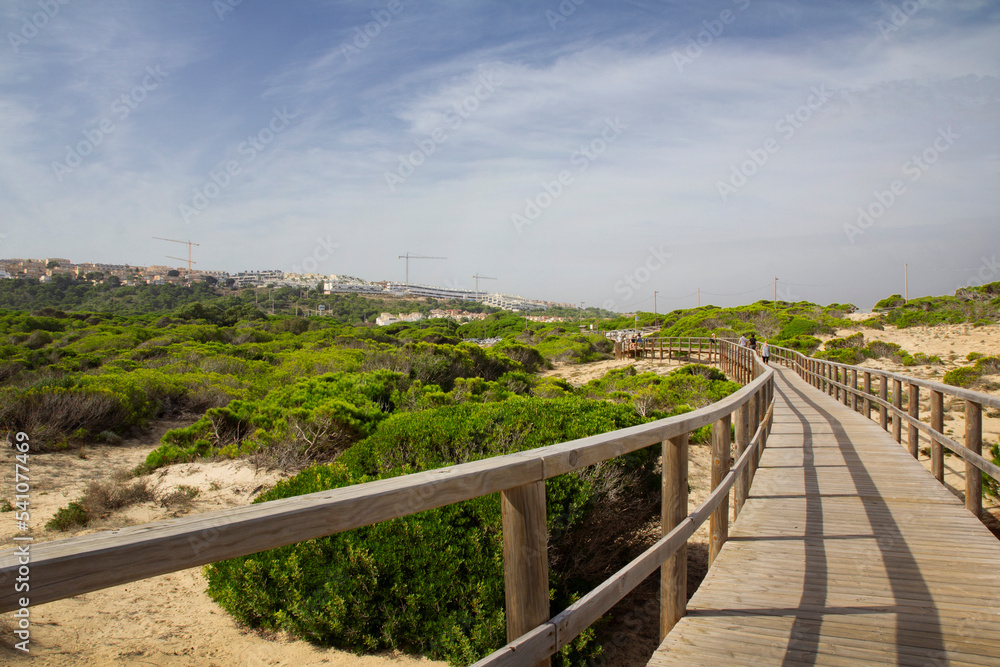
(78, 565)
(544, 640)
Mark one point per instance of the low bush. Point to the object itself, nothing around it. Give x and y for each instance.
(71, 516)
(964, 376)
(432, 583)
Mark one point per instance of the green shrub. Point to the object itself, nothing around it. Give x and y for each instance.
(963, 376)
(798, 326)
(991, 486)
(855, 341)
(848, 355)
(432, 583)
(972, 356)
(67, 517)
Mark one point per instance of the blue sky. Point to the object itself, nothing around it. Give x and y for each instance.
(576, 151)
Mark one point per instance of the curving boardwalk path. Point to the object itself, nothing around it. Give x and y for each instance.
(847, 552)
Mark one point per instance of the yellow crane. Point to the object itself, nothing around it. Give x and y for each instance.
(187, 243)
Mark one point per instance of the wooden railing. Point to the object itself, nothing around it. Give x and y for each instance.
(841, 382)
(684, 348)
(78, 565)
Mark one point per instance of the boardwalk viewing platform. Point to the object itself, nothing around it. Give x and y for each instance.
(844, 549)
(846, 552)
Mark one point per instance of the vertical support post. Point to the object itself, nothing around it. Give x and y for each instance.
(754, 422)
(525, 558)
(974, 442)
(868, 395)
(897, 402)
(661, 349)
(670, 349)
(937, 423)
(673, 573)
(718, 529)
(854, 386)
(742, 486)
(913, 409)
(883, 393)
(844, 381)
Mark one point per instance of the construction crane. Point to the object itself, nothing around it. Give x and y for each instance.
(477, 277)
(408, 257)
(187, 243)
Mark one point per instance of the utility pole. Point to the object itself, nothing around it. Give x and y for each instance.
(654, 304)
(699, 297)
(776, 292)
(408, 257)
(906, 283)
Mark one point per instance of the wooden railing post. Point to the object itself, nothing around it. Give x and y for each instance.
(974, 442)
(525, 558)
(854, 386)
(897, 402)
(755, 412)
(937, 423)
(883, 393)
(742, 486)
(913, 409)
(719, 521)
(868, 395)
(673, 573)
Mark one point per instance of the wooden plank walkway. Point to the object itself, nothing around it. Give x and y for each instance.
(847, 552)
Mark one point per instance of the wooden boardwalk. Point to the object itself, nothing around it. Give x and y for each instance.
(847, 552)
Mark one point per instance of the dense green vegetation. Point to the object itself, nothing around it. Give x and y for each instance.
(978, 305)
(344, 402)
(853, 350)
(439, 573)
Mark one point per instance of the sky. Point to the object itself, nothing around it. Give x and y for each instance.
(578, 151)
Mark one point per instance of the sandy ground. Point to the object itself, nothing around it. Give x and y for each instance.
(169, 620)
(166, 620)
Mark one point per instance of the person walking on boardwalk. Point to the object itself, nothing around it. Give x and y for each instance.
(765, 352)
(753, 342)
(743, 341)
